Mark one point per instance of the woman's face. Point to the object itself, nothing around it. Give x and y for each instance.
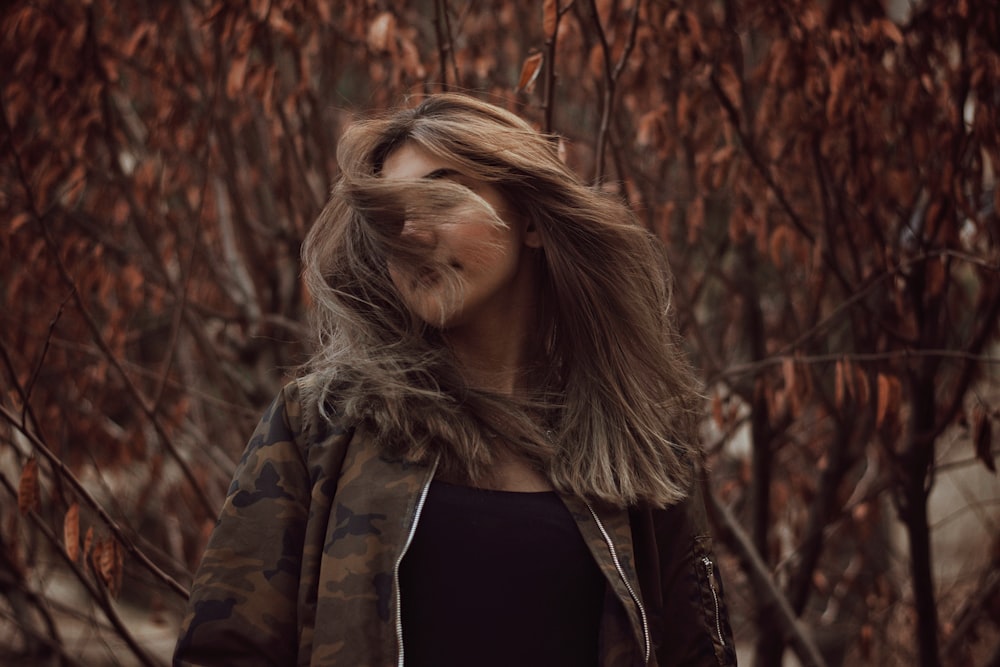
(493, 281)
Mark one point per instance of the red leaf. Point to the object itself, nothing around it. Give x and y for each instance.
(28, 490)
(381, 32)
(717, 416)
(88, 541)
(237, 75)
(411, 59)
(837, 77)
(839, 387)
(888, 398)
(109, 562)
(550, 17)
(695, 219)
(129, 47)
(647, 131)
(890, 30)
(71, 531)
(731, 85)
(788, 373)
(529, 72)
(17, 222)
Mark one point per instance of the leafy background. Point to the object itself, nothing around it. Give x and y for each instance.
(821, 172)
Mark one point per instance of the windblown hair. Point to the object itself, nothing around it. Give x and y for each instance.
(612, 408)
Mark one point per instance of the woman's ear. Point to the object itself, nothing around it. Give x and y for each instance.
(532, 238)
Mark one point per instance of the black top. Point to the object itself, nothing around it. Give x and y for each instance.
(498, 578)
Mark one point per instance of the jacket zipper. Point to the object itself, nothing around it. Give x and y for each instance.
(710, 567)
(406, 545)
(621, 573)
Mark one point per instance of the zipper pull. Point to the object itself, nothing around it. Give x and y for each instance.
(710, 570)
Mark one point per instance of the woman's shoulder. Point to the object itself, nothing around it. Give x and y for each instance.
(313, 406)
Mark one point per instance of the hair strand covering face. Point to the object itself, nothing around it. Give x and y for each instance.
(612, 409)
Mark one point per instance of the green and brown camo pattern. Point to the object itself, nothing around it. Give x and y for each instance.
(300, 567)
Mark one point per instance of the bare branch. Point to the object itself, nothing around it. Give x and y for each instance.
(96, 592)
(549, 63)
(119, 533)
(767, 591)
(611, 76)
(446, 46)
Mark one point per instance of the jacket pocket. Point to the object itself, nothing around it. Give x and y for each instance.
(716, 617)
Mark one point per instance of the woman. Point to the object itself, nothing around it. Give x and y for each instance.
(492, 458)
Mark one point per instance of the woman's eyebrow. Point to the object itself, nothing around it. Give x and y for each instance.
(443, 172)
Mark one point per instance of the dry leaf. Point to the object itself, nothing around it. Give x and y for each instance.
(281, 25)
(717, 416)
(88, 542)
(109, 561)
(529, 72)
(646, 133)
(838, 385)
(695, 219)
(28, 492)
(411, 59)
(781, 239)
(888, 398)
(694, 29)
(890, 30)
(788, 373)
(17, 222)
(105, 554)
(145, 29)
(71, 531)
(731, 86)
(237, 75)
(837, 77)
(550, 17)
(381, 32)
(683, 106)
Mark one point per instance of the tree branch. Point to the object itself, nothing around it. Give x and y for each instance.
(96, 592)
(767, 592)
(549, 63)
(611, 75)
(80, 489)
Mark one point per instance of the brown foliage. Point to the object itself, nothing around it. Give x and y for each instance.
(822, 175)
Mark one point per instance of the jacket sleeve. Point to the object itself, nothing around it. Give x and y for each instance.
(242, 609)
(680, 582)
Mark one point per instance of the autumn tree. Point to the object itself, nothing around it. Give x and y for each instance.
(822, 175)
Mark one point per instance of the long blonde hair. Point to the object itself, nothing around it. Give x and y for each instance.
(612, 411)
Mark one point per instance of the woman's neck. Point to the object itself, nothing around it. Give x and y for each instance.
(495, 347)
(492, 358)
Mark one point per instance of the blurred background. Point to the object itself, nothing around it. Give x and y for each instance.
(822, 174)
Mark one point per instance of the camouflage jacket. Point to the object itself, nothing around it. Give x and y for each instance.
(302, 566)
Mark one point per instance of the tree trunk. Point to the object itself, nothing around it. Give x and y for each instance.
(918, 459)
(770, 645)
(922, 574)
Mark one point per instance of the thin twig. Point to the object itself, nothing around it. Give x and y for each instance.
(776, 360)
(611, 75)
(549, 63)
(446, 46)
